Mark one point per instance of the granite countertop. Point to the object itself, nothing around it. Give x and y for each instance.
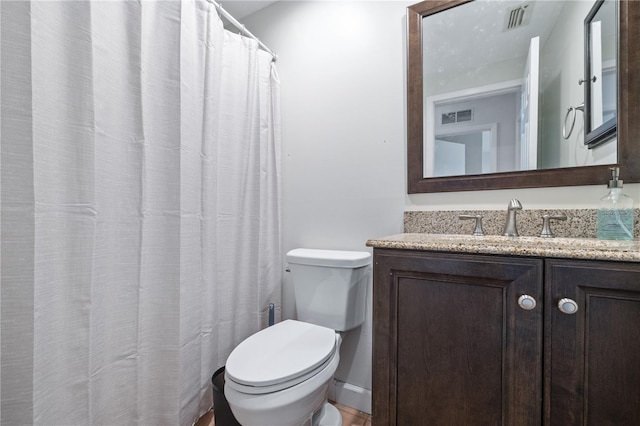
(570, 248)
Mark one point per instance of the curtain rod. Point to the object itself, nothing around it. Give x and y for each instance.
(242, 28)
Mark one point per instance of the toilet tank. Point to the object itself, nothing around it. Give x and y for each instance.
(330, 286)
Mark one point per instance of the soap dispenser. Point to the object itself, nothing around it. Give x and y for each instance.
(615, 214)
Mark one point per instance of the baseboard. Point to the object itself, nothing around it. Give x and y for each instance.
(350, 395)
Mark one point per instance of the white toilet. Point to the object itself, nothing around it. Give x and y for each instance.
(280, 376)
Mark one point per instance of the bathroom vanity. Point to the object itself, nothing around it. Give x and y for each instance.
(505, 331)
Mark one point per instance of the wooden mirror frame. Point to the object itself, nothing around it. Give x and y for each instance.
(607, 130)
(628, 137)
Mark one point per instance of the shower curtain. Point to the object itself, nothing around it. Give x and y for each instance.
(140, 208)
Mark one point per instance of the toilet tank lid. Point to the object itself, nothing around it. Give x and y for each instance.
(331, 258)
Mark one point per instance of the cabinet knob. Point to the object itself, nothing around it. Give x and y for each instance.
(567, 306)
(526, 302)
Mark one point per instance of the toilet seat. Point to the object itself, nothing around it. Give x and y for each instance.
(280, 356)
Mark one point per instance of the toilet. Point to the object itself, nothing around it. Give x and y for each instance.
(280, 376)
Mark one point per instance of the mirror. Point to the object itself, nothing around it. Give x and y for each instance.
(600, 111)
(484, 168)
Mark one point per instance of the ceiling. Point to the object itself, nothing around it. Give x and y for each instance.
(452, 36)
(242, 8)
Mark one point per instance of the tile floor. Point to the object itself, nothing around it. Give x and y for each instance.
(350, 417)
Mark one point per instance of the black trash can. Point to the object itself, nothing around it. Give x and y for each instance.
(221, 411)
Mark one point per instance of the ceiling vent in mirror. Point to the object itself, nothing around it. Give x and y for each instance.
(463, 116)
(518, 16)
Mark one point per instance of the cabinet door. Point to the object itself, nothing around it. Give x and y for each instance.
(451, 344)
(592, 357)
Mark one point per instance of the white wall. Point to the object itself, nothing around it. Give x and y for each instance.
(342, 68)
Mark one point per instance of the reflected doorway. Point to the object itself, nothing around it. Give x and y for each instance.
(468, 152)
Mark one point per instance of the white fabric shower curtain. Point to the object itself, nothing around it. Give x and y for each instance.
(140, 208)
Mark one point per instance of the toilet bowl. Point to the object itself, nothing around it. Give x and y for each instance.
(280, 376)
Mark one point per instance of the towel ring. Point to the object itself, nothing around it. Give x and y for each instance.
(573, 109)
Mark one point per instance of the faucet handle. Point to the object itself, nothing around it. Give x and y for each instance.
(478, 232)
(546, 224)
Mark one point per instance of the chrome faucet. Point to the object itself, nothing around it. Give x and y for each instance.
(510, 228)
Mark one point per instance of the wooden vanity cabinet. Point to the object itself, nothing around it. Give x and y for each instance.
(452, 346)
(592, 357)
